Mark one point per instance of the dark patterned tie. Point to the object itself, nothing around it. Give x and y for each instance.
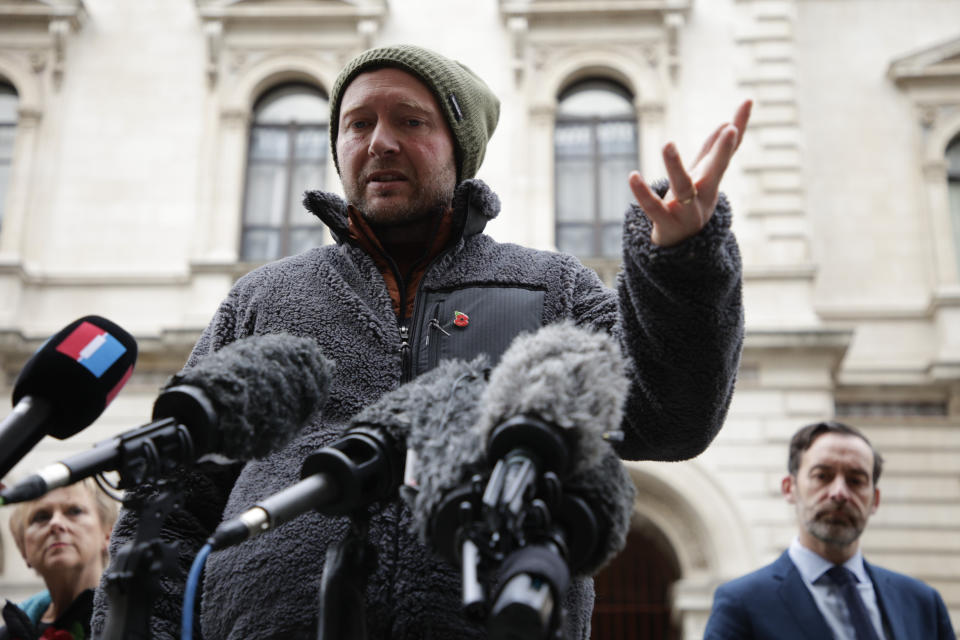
(845, 580)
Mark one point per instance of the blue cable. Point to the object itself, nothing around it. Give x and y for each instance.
(190, 593)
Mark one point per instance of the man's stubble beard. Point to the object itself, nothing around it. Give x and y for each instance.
(429, 199)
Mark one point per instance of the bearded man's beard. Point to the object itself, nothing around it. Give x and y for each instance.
(429, 198)
(833, 530)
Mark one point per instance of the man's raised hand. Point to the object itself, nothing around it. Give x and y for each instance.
(687, 206)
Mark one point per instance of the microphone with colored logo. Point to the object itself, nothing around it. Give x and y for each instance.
(66, 385)
(244, 401)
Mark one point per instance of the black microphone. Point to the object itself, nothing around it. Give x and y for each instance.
(242, 402)
(552, 497)
(66, 385)
(366, 463)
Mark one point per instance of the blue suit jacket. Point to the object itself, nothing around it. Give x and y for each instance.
(773, 603)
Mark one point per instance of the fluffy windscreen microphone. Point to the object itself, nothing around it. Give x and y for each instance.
(263, 390)
(606, 493)
(574, 381)
(242, 402)
(444, 450)
(568, 377)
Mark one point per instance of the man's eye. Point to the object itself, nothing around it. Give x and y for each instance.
(413, 122)
(358, 124)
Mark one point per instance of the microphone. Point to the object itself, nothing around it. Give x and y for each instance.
(551, 498)
(66, 385)
(555, 402)
(242, 402)
(366, 463)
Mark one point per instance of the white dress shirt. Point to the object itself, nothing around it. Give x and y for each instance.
(826, 594)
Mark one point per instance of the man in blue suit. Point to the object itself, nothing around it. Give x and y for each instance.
(821, 587)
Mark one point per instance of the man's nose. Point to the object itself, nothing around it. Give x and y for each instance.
(839, 491)
(383, 141)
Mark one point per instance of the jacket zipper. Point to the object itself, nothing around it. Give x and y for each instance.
(433, 352)
(409, 336)
(405, 364)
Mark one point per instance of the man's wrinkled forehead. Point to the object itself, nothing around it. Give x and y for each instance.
(386, 82)
(389, 81)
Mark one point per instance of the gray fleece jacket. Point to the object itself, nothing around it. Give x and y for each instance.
(676, 311)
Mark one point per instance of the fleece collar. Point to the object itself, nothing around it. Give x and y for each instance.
(474, 204)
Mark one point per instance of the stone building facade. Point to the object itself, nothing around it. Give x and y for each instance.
(131, 171)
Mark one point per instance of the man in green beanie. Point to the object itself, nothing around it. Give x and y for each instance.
(413, 281)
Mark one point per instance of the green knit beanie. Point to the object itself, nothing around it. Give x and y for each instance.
(470, 108)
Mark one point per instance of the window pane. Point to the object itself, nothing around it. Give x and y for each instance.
(616, 137)
(596, 98)
(954, 199)
(953, 158)
(305, 177)
(595, 146)
(288, 155)
(575, 239)
(7, 134)
(574, 190)
(612, 240)
(265, 186)
(572, 140)
(305, 238)
(4, 176)
(268, 143)
(615, 193)
(261, 245)
(311, 143)
(292, 103)
(8, 104)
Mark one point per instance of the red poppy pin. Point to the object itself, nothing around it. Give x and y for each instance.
(460, 319)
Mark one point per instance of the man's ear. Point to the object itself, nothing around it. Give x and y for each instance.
(787, 487)
(876, 501)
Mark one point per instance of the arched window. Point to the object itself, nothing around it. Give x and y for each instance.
(8, 128)
(287, 156)
(595, 148)
(953, 186)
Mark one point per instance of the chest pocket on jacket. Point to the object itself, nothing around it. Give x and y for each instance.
(491, 318)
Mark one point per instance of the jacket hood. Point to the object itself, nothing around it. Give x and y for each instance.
(474, 204)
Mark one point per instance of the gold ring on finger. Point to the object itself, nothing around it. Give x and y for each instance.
(690, 198)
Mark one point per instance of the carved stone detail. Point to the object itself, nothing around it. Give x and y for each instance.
(213, 38)
(38, 61)
(59, 30)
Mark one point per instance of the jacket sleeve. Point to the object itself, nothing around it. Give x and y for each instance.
(205, 487)
(944, 626)
(728, 618)
(680, 324)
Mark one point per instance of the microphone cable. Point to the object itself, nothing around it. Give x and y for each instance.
(190, 592)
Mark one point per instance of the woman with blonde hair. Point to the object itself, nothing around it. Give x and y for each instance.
(63, 536)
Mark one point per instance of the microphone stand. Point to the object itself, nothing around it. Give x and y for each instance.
(342, 605)
(133, 581)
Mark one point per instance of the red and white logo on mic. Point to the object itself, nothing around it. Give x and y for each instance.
(92, 347)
